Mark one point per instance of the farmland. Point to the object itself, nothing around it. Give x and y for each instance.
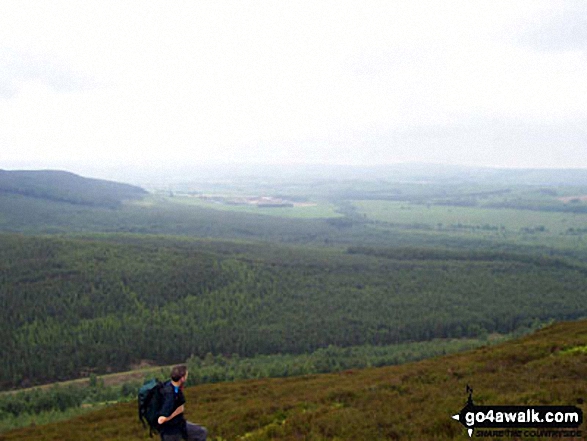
(231, 203)
(497, 221)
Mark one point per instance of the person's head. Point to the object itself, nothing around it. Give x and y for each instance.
(179, 373)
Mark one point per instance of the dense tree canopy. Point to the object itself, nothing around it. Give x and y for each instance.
(69, 307)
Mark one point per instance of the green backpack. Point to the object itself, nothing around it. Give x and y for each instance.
(150, 402)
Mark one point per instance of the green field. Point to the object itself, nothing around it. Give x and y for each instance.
(486, 219)
(315, 210)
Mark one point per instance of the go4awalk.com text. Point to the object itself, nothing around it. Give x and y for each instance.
(518, 421)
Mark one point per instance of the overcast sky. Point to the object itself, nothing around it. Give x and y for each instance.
(490, 83)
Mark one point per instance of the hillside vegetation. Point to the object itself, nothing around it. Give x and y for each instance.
(389, 265)
(74, 306)
(410, 402)
(60, 186)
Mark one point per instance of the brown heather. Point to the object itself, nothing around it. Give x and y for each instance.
(410, 402)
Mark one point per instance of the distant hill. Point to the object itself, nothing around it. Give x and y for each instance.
(67, 187)
(453, 174)
(406, 172)
(414, 401)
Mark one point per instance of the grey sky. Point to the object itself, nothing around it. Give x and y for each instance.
(490, 83)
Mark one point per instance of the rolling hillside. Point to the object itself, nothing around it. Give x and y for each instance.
(410, 402)
(61, 186)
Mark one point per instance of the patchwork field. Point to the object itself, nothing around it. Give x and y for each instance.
(486, 219)
(312, 210)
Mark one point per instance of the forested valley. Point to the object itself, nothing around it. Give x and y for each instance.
(97, 278)
(74, 306)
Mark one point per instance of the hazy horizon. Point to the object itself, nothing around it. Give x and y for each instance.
(169, 174)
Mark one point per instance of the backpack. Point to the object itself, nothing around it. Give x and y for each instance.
(150, 401)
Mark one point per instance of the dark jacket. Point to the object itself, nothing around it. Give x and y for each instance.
(172, 398)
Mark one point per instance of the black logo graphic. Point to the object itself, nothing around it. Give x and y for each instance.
(491, 417)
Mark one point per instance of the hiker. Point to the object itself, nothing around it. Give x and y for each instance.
(172, 423)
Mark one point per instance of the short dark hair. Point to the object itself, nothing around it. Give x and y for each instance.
(178, 372)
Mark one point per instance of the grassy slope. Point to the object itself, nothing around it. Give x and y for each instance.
(63, 186)
(412, 401)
